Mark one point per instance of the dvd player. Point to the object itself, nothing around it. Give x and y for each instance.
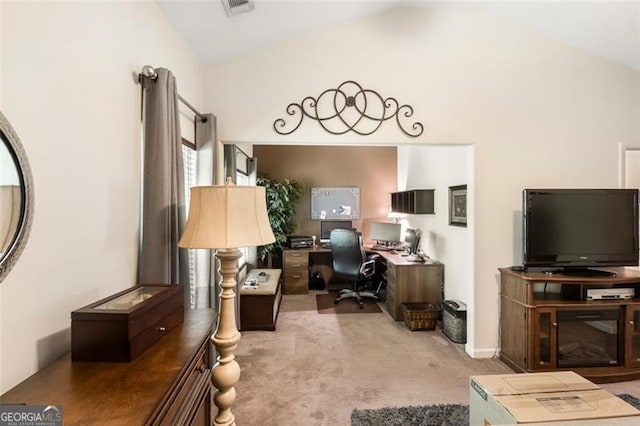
(610, 293)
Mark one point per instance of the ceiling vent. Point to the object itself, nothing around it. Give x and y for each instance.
(235, 7)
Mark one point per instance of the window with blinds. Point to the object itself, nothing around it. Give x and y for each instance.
(189, 163)
(189, 159)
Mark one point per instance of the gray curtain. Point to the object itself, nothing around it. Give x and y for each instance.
(163, 210)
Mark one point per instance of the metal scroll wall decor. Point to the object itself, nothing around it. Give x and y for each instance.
(348, 108)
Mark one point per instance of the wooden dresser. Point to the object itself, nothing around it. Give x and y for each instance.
(170, 383)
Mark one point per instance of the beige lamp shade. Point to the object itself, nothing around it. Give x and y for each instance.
(227, 216)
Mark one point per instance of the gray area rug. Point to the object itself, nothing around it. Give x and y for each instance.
(428, 415)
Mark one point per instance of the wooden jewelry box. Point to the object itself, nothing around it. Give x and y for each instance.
(120, 327)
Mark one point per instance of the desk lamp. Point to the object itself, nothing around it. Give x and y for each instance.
(225, 217)
(394, 216)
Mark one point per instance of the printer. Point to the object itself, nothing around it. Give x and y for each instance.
(299, 241)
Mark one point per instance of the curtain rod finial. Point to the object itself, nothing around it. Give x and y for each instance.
(149, 71)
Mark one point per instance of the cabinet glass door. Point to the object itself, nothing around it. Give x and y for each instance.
(544, 355)
(589, 337)
(632, 325)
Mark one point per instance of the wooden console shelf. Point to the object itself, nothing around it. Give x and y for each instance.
(168, 384)
(547, 323)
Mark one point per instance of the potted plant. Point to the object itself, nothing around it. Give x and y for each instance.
(282, 196)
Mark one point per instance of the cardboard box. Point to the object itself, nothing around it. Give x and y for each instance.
(557, 398)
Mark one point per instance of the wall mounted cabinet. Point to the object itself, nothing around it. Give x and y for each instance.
(414, 201)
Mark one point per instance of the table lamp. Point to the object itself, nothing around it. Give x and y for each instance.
(225, 217)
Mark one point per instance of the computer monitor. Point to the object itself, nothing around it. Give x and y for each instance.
(326, 226)
(383, 232)
(412, 237)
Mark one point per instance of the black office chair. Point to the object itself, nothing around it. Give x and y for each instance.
(351, 262)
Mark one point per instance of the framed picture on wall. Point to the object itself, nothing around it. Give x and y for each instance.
(458, 205)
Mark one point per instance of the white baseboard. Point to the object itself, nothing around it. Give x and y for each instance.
(481, 353)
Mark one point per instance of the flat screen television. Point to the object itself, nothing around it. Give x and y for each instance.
(576, 229)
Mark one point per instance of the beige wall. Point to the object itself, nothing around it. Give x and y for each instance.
(537, 112)
(439, 167)
(632, 168)
(373, 170)
(68, 88)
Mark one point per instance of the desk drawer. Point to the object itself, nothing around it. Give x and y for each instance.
(197, 379)
(391, 305)
(296, 261)
(391, 273)
(296, 283)
(296, 271)
(189, 391)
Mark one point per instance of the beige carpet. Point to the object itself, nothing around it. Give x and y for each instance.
(315, 369)
(325, 304)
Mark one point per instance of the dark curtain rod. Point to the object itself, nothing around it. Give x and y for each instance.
(195, 111)
(150, 72)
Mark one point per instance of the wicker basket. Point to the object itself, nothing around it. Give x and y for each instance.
(420, 316)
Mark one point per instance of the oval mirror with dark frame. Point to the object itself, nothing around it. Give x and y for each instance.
(16, 197)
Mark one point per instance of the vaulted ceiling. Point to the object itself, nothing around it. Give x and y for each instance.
(607, 28)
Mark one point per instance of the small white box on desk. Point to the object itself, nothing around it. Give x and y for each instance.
(550, 398)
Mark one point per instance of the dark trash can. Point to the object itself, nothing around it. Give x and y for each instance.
(454, 320)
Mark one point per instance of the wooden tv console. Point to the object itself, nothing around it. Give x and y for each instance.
(538, 311)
